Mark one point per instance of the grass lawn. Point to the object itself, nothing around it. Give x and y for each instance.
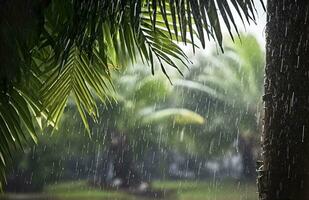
(185, 190)
(220, 190)
(79, 190)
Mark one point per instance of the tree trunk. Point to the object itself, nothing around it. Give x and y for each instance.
(284, 174)
(123, 162)
(246, 146)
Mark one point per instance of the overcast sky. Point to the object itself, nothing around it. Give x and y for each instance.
(259, 29)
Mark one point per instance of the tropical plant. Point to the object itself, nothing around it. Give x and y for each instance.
(234, 78)
(140, 110)
(146, 98)
(54, 50)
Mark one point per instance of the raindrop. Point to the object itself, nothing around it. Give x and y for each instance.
(303, 134)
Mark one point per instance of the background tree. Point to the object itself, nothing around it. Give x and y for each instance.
(235, 80)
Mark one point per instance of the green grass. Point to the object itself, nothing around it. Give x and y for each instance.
(186, 190)
(80, 190)
(201, 190)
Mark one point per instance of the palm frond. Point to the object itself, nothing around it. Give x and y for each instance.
(16, 126)
(234, 77)
(174, 115)
(81, 79)
(193, 85)
(150, 27)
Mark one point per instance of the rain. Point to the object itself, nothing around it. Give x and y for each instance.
(171, 100)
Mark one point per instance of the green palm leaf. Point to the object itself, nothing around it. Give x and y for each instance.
(80, 79)
(16, 126)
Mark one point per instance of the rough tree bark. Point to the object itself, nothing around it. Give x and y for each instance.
(285, 172)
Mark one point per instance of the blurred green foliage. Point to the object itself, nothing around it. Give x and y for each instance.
(199, 117)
